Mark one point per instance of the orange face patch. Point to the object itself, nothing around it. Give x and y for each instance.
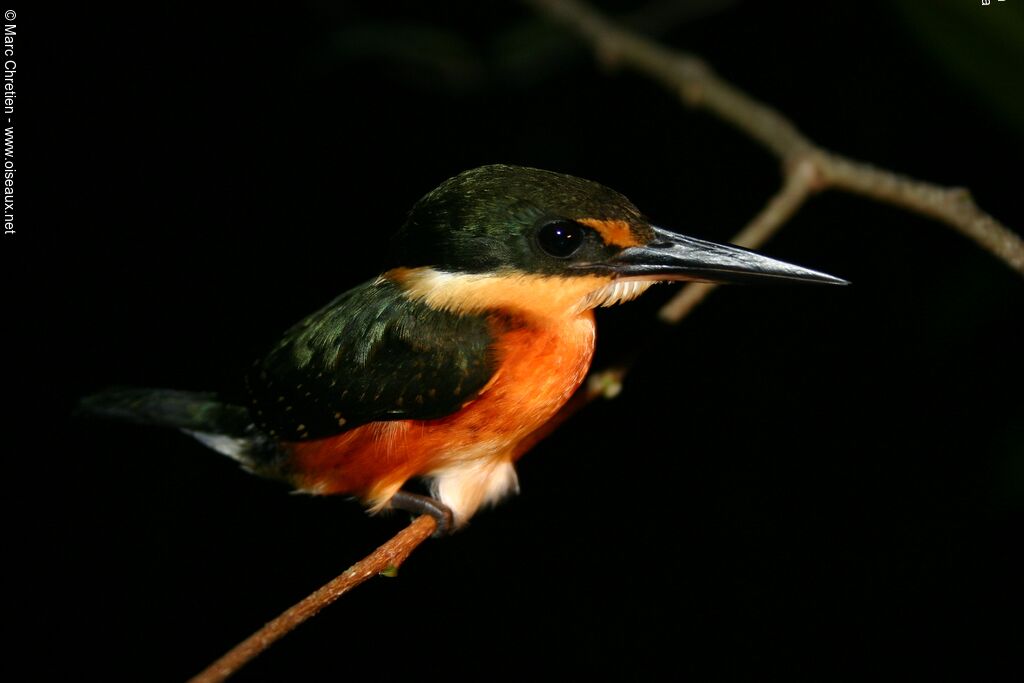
(614, 232)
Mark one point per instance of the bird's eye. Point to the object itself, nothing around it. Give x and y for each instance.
(560, 239)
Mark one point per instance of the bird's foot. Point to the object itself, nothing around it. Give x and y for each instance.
(425, 505)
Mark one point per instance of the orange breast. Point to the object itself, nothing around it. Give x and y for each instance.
(540, 363)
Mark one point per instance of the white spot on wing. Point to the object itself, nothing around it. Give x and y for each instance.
(235, 448)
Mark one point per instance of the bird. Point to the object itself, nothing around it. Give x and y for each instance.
(478, 333)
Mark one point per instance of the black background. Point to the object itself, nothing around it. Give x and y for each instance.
(800, 482)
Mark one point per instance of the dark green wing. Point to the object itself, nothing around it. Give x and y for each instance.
(369, 355)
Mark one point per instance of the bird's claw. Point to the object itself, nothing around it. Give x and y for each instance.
(425, 505)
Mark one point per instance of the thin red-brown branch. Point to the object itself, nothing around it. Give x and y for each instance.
(385, 558)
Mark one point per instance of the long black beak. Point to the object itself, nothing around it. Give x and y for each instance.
(670, 256)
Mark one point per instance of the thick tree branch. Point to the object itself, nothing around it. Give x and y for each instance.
(699, 86)
(384, 559)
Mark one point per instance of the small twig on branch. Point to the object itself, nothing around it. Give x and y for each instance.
(386, 558)
(699, 86)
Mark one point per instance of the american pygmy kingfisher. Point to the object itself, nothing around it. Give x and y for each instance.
(439, 367)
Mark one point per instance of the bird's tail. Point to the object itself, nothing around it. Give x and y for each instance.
(224, 427)
(189, 410)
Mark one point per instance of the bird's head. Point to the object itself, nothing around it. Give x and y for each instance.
(552, 244)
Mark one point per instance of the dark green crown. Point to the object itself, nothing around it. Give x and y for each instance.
(500, 217)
